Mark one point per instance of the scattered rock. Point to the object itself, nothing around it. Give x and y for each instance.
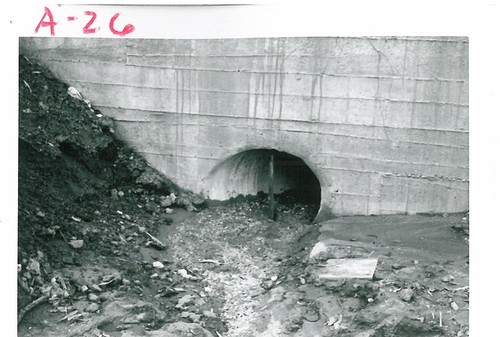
(93, 297)
(267, 285)
(77, 244)
(106, 296)
(168, 200)
(208, 313)
(397, 266)
(319, 250)
(180, 329)
(295, 325)
(184, 300)
(447, 279)
(191, 316)
(95, 287)
(93, 307)
(132, 319)
(183, 273)
(33, 267)
(158, 265)
(406, 294)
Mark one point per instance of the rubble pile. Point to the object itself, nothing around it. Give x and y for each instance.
(83, 195)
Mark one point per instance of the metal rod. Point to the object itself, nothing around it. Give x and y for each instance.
(272, 205)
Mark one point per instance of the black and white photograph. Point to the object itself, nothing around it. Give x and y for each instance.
(241, 186)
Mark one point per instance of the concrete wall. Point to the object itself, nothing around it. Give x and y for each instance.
(382, 122)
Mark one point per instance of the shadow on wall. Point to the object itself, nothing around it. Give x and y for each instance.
(248, 173)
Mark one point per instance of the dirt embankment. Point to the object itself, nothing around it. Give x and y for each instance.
(82, 193)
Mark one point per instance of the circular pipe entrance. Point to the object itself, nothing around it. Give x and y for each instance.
(248, 173)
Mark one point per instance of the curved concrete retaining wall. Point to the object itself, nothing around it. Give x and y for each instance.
(382, 122)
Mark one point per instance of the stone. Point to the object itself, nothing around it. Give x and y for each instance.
(184, 300)
(208, 313)
(397, 266)
(180, 329)
(319, 249)
(95, 287)
(267, 285)
(168, 200)
(106, 296)
(93, 307)
(77, 244)
(447, 279)
(169, 210)
(34, 267)
(93, 297)
(406, 294)
(132, 319)
(158, 265)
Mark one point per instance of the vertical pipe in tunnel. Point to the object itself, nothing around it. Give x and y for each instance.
(272, 206)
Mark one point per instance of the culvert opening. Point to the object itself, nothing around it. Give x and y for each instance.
(249, 173)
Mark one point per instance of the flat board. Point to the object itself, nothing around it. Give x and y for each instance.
(348, 268)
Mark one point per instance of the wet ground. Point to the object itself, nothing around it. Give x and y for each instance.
(230, 271)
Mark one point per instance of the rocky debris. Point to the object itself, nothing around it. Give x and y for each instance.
(92, 307)
(157, 244)
(190, 201)
(406, 294)
(93, 297)
(158, 265)
(167, 201)
(319, 250)
(77, 244)
(177, 329)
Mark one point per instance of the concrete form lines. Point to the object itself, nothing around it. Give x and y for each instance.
(343, 194)
(270, 72)
(316, 132)
(368, 159)
(181, 156)
(164, 112)
(350, 98)
(301, 73)
(432, 179)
